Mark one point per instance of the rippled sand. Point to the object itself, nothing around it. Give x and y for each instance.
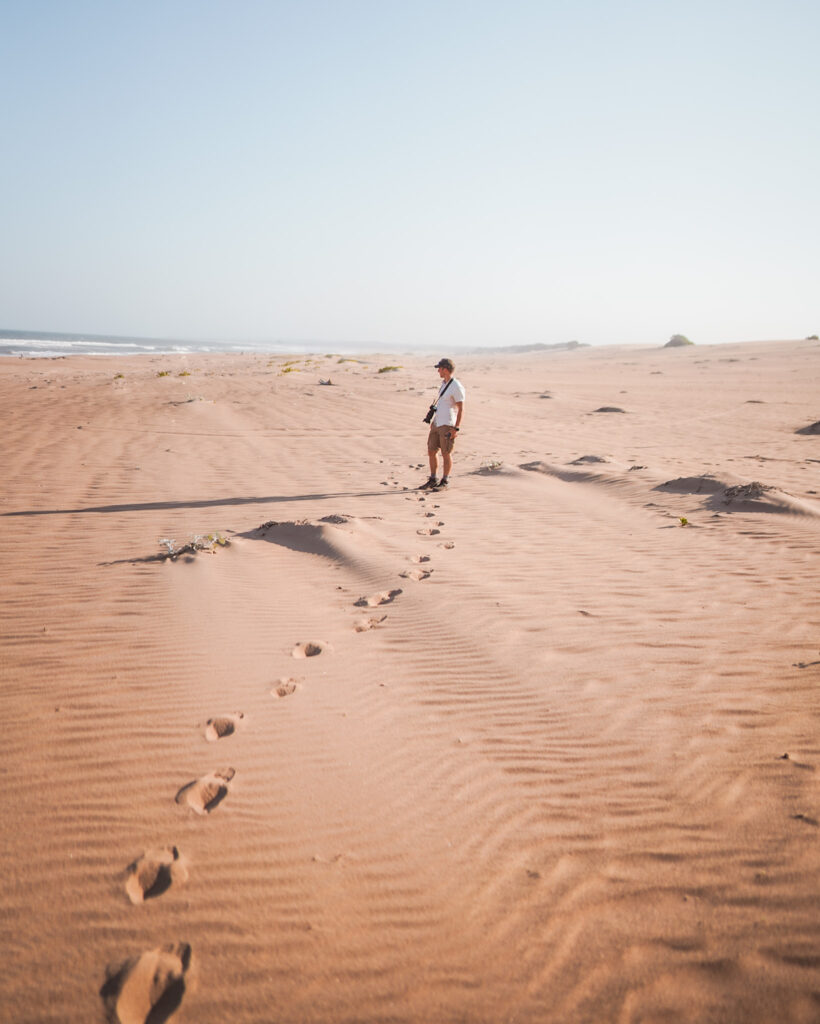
(541, 748)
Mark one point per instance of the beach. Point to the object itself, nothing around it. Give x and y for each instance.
(287, 739)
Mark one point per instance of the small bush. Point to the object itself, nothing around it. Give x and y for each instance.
(199, 542)
(119, 376)
(677, 340)
(184, 373)
(163, 373)
(389, 369)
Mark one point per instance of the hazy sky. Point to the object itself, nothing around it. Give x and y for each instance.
(409, 172)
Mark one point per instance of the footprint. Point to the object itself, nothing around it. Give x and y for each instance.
(428, 531)
(419, 559)
(363, 625)
(203, 795)
(449, 544)
(284, 687)
(153, 873)
(147, 989)
(416, 574)
(385, 597)
(311, 649)
(226, 725)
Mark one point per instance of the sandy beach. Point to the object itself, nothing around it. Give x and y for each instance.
(289, 740)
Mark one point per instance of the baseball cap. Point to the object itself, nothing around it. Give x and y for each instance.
(446, 364)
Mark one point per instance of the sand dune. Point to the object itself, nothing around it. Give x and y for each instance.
(540, 748)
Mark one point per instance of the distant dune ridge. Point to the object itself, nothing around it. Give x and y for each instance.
(541, 748)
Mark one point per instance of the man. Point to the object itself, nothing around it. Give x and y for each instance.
(445, 425)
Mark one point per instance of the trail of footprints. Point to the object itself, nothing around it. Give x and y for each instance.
(149, 988)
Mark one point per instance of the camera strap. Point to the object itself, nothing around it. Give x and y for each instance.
(441, 393)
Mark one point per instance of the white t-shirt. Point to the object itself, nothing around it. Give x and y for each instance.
(446, 411)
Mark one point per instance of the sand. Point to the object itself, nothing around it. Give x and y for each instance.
(541, 748)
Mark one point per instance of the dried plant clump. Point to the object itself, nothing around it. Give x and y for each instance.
(199, 542)
(753, 491)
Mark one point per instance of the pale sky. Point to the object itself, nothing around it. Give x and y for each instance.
(411, 173)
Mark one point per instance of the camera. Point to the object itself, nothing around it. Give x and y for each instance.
(430, 414)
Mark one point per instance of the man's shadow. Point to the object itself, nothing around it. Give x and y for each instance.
(156, 506)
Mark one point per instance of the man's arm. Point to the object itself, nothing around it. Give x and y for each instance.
(460, 409)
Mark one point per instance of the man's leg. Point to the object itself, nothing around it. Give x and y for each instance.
(432, 445)
(447, 442)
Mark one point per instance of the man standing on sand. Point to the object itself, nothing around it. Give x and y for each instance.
(445, 425)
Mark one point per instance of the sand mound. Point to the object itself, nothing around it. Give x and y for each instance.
(727, 494)
(753, 491)
(302, 535)
(758, 497)
(597, 469)
(694, 485)
(585, 460)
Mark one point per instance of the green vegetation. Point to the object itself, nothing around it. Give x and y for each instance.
(119, 376)
(684, 521)
(184, 373)
(389, 369)
(163, 373)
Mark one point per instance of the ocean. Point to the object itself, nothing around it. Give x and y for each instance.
(54, 344)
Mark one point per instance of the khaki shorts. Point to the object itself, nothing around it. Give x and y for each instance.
(441, 437)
